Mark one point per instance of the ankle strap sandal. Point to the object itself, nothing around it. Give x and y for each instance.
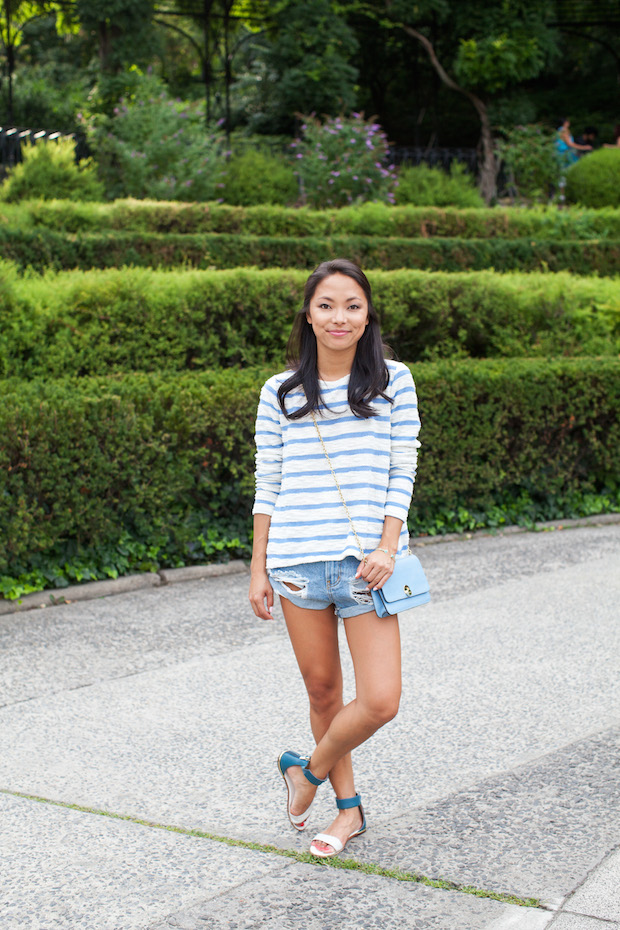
(337, 846)
(286, 760)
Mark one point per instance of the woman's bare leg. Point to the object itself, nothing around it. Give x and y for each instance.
(314, 637)
(375, 649)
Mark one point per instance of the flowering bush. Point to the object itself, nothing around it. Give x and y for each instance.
(156, 147)
(342, 161)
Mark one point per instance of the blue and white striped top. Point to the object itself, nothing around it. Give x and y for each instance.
(375, 460)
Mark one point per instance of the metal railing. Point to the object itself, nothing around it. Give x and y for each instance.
(13, 137)
(435, 157)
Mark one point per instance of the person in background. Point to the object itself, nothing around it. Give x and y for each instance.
(589, 136)
(567, 149)
(616, 142)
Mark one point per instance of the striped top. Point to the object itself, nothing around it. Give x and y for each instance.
(375, 460)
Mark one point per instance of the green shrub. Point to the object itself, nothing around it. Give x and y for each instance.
(423, 186)
(44, 248)
(87, 323)
(368, 219)
(529, 154)
(49, 170)
(342, 161)
(156, 147)
(169, 458)
(594, 181)
(255, 178)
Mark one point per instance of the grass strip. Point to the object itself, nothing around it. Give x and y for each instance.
(351, 865)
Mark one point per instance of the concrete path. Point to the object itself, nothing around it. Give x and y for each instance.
(139, 733)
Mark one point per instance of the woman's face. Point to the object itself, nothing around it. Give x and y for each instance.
(338, 313)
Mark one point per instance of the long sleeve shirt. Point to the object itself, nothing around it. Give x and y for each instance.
(375, 460)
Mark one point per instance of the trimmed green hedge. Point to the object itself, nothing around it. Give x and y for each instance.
(45, 248)
(88, 323)
(595, 181)
(373, 219)
(84, 461)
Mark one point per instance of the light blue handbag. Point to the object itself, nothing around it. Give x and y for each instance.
(407, 586)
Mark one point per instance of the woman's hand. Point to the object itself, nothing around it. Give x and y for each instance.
(261, 595)
(376, 569)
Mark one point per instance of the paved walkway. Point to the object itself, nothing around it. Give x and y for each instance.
(139, 732)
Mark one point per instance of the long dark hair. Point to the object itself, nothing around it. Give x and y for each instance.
(369, 373)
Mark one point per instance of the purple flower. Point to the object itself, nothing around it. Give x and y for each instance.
(299, 155)
(335, 174)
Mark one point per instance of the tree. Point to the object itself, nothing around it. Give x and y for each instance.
(14, 18)
(488, 47)
(306, 63)
(123, 29)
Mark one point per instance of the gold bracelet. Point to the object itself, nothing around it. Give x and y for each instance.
(387, 552)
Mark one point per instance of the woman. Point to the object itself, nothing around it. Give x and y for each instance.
(304, 546)
(566, 146)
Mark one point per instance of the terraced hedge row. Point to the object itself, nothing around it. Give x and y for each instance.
(87, 323)
(45, 248)
(83, 461)
(372, 219)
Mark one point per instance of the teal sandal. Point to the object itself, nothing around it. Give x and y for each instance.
(286, 760)
(342, 804)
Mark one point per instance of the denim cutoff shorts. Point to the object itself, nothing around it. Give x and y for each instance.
(322, 584)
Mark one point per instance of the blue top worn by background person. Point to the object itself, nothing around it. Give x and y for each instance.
(566, 147)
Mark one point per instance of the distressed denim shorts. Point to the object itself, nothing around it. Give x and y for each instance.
(322, 584)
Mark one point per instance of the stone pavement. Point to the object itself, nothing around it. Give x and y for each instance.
(139, 733)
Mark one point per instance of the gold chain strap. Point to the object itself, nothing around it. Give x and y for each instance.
(344, 503)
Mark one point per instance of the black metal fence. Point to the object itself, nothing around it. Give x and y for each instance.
(12, 138)
(435, 157)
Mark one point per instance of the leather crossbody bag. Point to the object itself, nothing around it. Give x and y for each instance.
(407, 586)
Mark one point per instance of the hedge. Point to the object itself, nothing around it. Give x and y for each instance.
(373, 219)
(83, 461)
(88, 323)
(45, 248)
